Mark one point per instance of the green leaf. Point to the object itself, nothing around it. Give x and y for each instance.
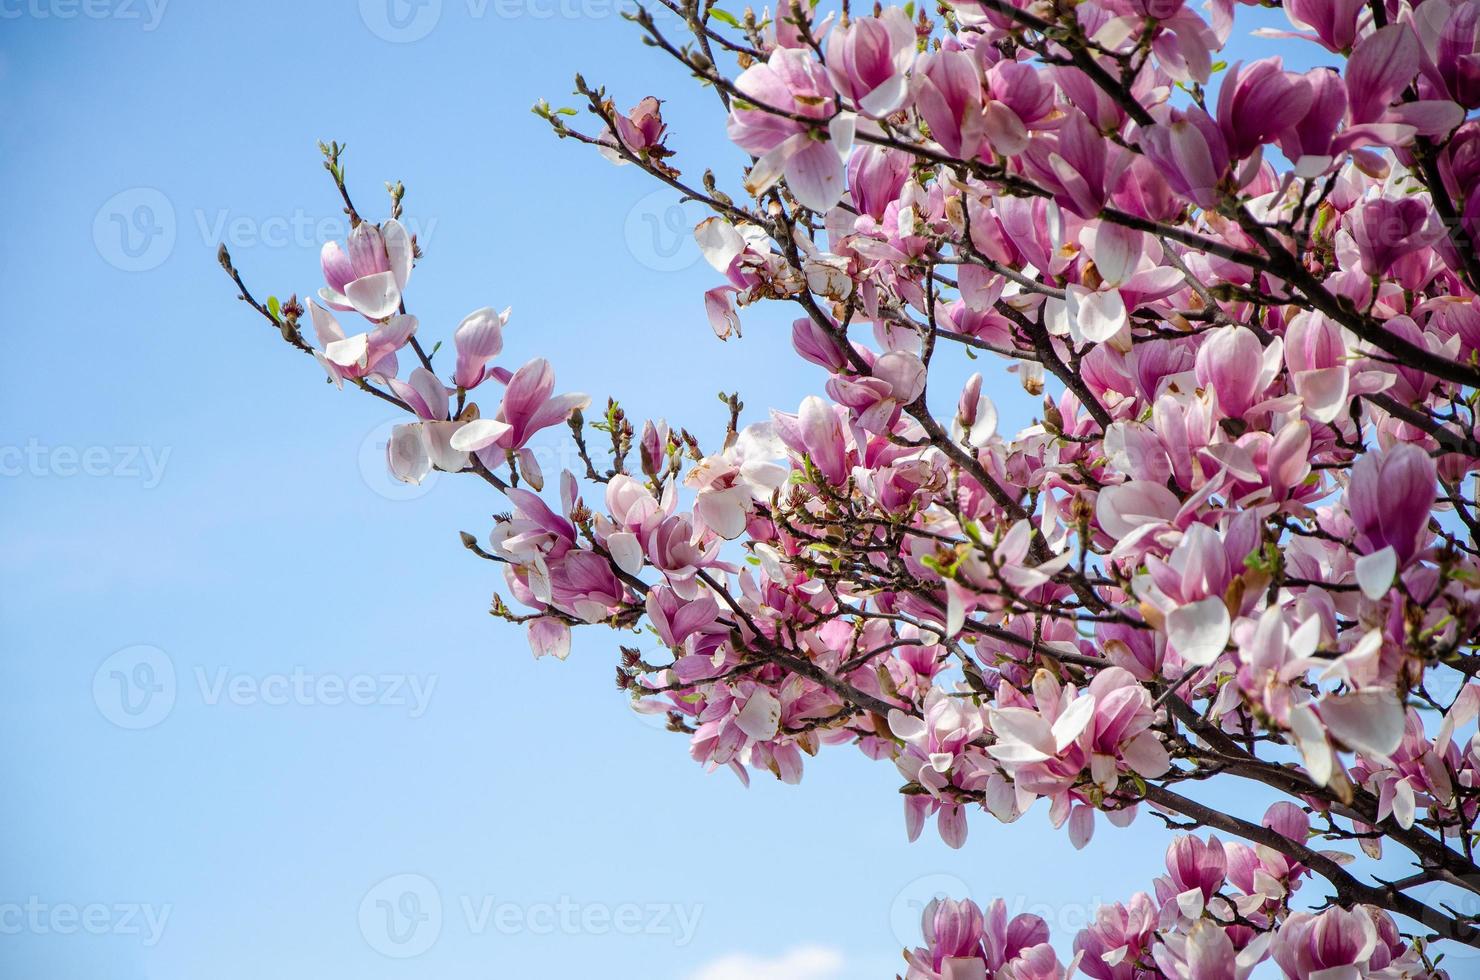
(723, 16)
(274, 307)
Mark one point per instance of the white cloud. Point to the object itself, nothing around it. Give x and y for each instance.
(802, 963)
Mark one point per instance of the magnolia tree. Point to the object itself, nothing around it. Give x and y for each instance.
(1240, 544)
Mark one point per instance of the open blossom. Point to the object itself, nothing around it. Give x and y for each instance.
(528, 406)
(1257, 102)
(368, 274)
(363, 354)
(868, 57)
(963, 942)
(729, 484)
(1191, 152)
(642, 128)
(809, 157)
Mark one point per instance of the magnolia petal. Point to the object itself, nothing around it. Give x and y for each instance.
(1375, 572)
(1147, 756)
(529, 468)
(1116, 251)
(1310, 739)
(625, 550)
(1095, 315)
(814, 175)
(349, 352)
(549, 637)
(761, 716)
(725, 512)
(325, 325)
(1199, 630)
(1004, 129)
(886, 98)
(1324, 392)
(720, 308)
(985, 427)
(1072, 723)
(1370, 720)
(1123, 508)
(906, 727)
(479, 434)
(399, 250)
(1404, 805)
(719, 243)
(768, 169)
(1081, 826)
(375, 296)
(406, 454)
(1022, 727)
(444, 455)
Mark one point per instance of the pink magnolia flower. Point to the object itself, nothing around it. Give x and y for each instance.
(1310, 139)
(1381, 66)
(1258, 101)
(369, 275)
(1237, 367)
(953, 932)
(1449, 32)
(640, 130)
(1387, 229)
(549, 637)
(1120, 938)
(734, 721)
(478, 339)
(1332, 23)
(791, 80)
(1196, 869)
(1337, 942)
(1204, 952)
(948, 96)
(729, 484)
(1389, 498)
(1046, 747)
(677, 620)
(875, 177)
(898, 378)
(1316, 355)
(363, 355)
(528, 407)
(1191, 152)
(1078, 164)
(1022, 97)
(868, 59)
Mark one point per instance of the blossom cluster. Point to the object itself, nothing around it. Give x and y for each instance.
(1239, 541)
(1220, 910)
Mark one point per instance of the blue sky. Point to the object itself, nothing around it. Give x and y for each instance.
(355, 762)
